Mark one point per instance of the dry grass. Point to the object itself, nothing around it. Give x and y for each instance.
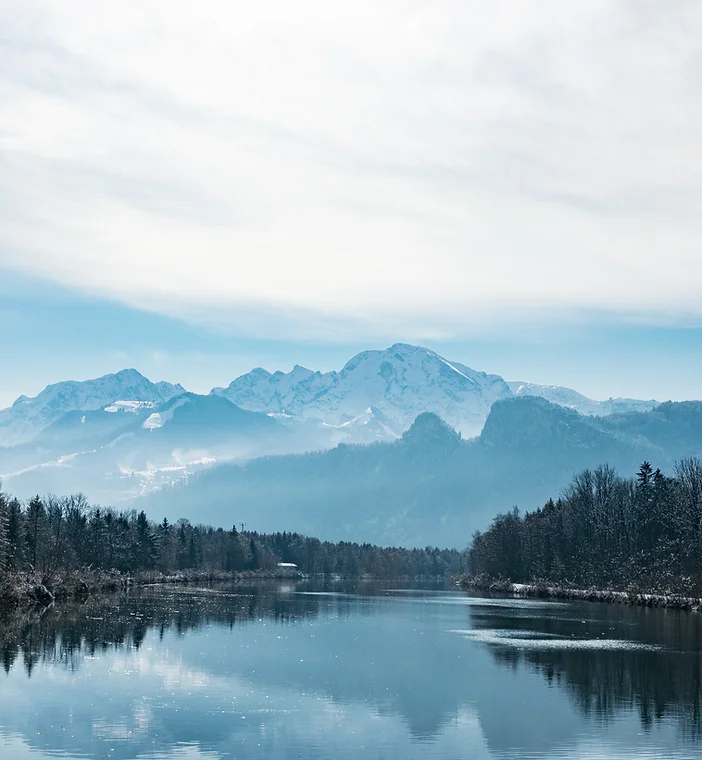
(545, 590)
(32, 588)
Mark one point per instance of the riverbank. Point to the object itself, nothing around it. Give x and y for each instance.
(543, 590)
(17, 589)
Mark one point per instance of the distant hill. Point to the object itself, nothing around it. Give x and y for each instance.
(120, 452)
(573, 400)
(431, 486)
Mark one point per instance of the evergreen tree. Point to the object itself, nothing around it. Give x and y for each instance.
(605, 530)
(15, 535)
(51, 533)
(166, 548)
(254, 562)
(36, 531)
(4, 543)
(145, 549)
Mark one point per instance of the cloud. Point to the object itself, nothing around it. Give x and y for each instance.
(328, 168)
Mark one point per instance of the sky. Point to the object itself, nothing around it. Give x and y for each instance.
(195, 189)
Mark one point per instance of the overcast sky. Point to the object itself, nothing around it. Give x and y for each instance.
(196, 188)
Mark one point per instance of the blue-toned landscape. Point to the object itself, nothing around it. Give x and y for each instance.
(350, 380)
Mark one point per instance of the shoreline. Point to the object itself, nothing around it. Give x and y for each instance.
(32, 589)
(609, 596)
(26, 589)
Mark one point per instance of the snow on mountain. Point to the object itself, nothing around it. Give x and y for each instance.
(158, 419)
(571, 399)
(127, 390)
(376, 395)
(400, 382)
(123, 423)
(369, 426)
(129, 406)
(279, 392)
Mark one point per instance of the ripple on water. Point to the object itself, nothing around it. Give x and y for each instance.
(536, 640)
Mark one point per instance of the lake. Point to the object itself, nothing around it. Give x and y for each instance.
(342, 670)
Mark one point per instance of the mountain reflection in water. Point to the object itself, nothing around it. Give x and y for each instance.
(347, 671)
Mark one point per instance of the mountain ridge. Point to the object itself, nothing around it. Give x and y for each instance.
(29, 415)
(378, 395)
(401, 381)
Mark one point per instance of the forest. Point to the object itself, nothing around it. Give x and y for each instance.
(49, 534)
(604, 531)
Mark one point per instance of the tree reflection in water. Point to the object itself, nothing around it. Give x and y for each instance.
(660, 675)
(68, 632)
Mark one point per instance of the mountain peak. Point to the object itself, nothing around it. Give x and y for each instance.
(529, 421)
(430, 428)
(400, 382)
(399, 351)
(409, 348)
(123, 374)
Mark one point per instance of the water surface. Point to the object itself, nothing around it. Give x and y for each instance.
(298, 670)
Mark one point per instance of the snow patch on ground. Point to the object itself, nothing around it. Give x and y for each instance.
(129, 406)
(153, 421)
(158, 419)
(59, 462)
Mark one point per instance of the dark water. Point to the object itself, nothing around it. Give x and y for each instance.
(295, 671)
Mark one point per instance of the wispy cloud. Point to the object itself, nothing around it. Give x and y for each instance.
(323, 168)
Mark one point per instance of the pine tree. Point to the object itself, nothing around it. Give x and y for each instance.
(192, 550)
(4, 543)
(254, 562)
(166, 550)
(145, 549)
(15, 535)
(36, 531)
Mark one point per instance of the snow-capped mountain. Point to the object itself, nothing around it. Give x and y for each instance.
(376, 395)
(400, 382)
(122, 433)
(571, 399)
(27, 416)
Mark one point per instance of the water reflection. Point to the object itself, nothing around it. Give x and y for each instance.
(66, 633)
(271, 671)
(648, 659)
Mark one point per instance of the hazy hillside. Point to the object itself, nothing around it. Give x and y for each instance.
(431, 486)
(120, 453)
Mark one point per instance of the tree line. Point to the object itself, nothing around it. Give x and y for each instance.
(605, 529)
(48, 534)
